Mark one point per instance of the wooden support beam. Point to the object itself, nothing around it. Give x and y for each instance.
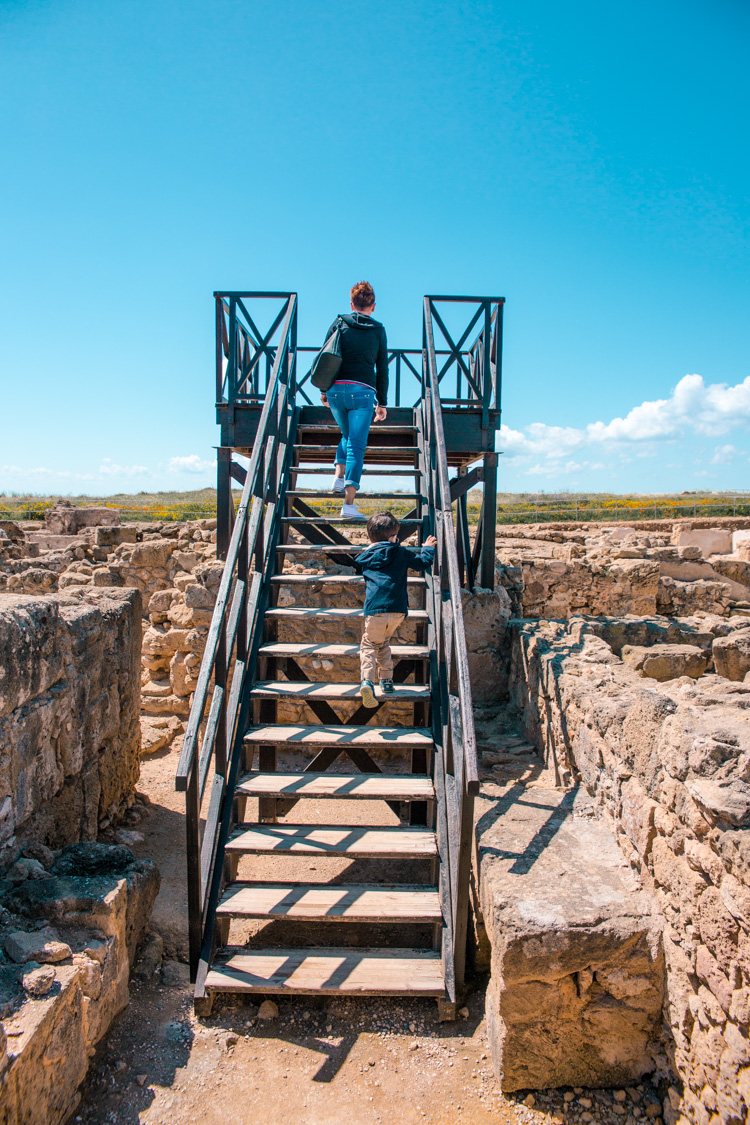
(489, 523)
(460, 485)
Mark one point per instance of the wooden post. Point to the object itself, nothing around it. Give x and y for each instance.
(489, 523)
(223, 500)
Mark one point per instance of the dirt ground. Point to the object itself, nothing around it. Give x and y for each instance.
(317, 1062)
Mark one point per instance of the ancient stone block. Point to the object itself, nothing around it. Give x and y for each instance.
(732, 655)
(637, 815)
(711, 540)
(153, 553)
(666, 662)
(69, 701)
(576, 988)
(199, 597)
(114, 536)
(486, 615)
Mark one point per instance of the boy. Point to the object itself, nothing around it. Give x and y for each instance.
(384, 565)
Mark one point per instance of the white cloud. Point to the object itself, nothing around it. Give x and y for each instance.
(42, 471)
(693, 407)
(190, 464)
(109, 468)
(723, 455)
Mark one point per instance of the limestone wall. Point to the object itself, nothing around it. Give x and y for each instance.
(668, 767)
(69, 703)
(677, 568)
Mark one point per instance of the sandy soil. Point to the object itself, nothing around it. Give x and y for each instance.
(317, 1062)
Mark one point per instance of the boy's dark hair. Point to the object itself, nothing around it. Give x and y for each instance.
(381, 527)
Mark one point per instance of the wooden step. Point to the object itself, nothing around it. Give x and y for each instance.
(318, 520)
(358, 841)
(400, 652)
(329, 494)
(320, 735)
(397, 471)
(381, 450)
(347, 549)
(270, 689)
(329, 972)
(293, 612)
(323, 548)
(330, 579)
(332, 428)
(359, 786)
(327, 902)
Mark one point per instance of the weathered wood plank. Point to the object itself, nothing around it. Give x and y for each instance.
(330, 972)
(364, 786)
(289, 734)
(349, 902)
(403, 652)
(337, 611)
(312, 690)
(357, 841)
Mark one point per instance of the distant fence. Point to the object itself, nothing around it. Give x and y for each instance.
(577, 509)
(621, 508)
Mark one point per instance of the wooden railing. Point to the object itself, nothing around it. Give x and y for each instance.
(236, 628)
(456, 773)
(246, 352)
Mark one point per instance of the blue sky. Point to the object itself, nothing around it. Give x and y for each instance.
(590, 162)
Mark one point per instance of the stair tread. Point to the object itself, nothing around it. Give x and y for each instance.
(336, 902)
(334, 611)
(277, 648)
(323, 548)
(371, 449)
(329, 494)
(397, 471)
(334, 840)
(327, 548)
(320, 734)
(331, 579)
(340, 519)
(367, 786)
(306, 689)
(332, 428)
(329, 971)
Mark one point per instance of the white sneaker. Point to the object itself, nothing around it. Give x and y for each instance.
(349, 512)
(338, 484)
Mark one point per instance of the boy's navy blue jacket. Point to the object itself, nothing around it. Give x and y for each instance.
(384, 566)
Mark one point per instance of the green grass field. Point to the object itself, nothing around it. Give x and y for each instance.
(511, 507)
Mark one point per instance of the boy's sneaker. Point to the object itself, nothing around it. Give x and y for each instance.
(367, 694)
(338, 484)
(386, 686)
(349, 512)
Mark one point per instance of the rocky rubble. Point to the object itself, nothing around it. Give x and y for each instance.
(68, 936)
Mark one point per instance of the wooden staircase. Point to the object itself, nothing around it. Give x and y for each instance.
(261, 762)
(311, 966)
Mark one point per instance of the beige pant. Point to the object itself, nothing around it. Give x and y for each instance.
(376, 651)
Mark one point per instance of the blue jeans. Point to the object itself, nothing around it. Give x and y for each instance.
(353, 406)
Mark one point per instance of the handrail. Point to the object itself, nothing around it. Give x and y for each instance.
(231, 645)
(456, 768)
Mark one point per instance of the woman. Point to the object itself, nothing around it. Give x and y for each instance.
(361, 387)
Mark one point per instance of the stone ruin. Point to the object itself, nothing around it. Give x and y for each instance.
(611, 886)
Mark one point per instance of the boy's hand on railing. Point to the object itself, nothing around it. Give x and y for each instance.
(324, 398)
(380, 413)
(430, 541)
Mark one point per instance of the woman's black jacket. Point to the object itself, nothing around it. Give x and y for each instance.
(364, 353)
